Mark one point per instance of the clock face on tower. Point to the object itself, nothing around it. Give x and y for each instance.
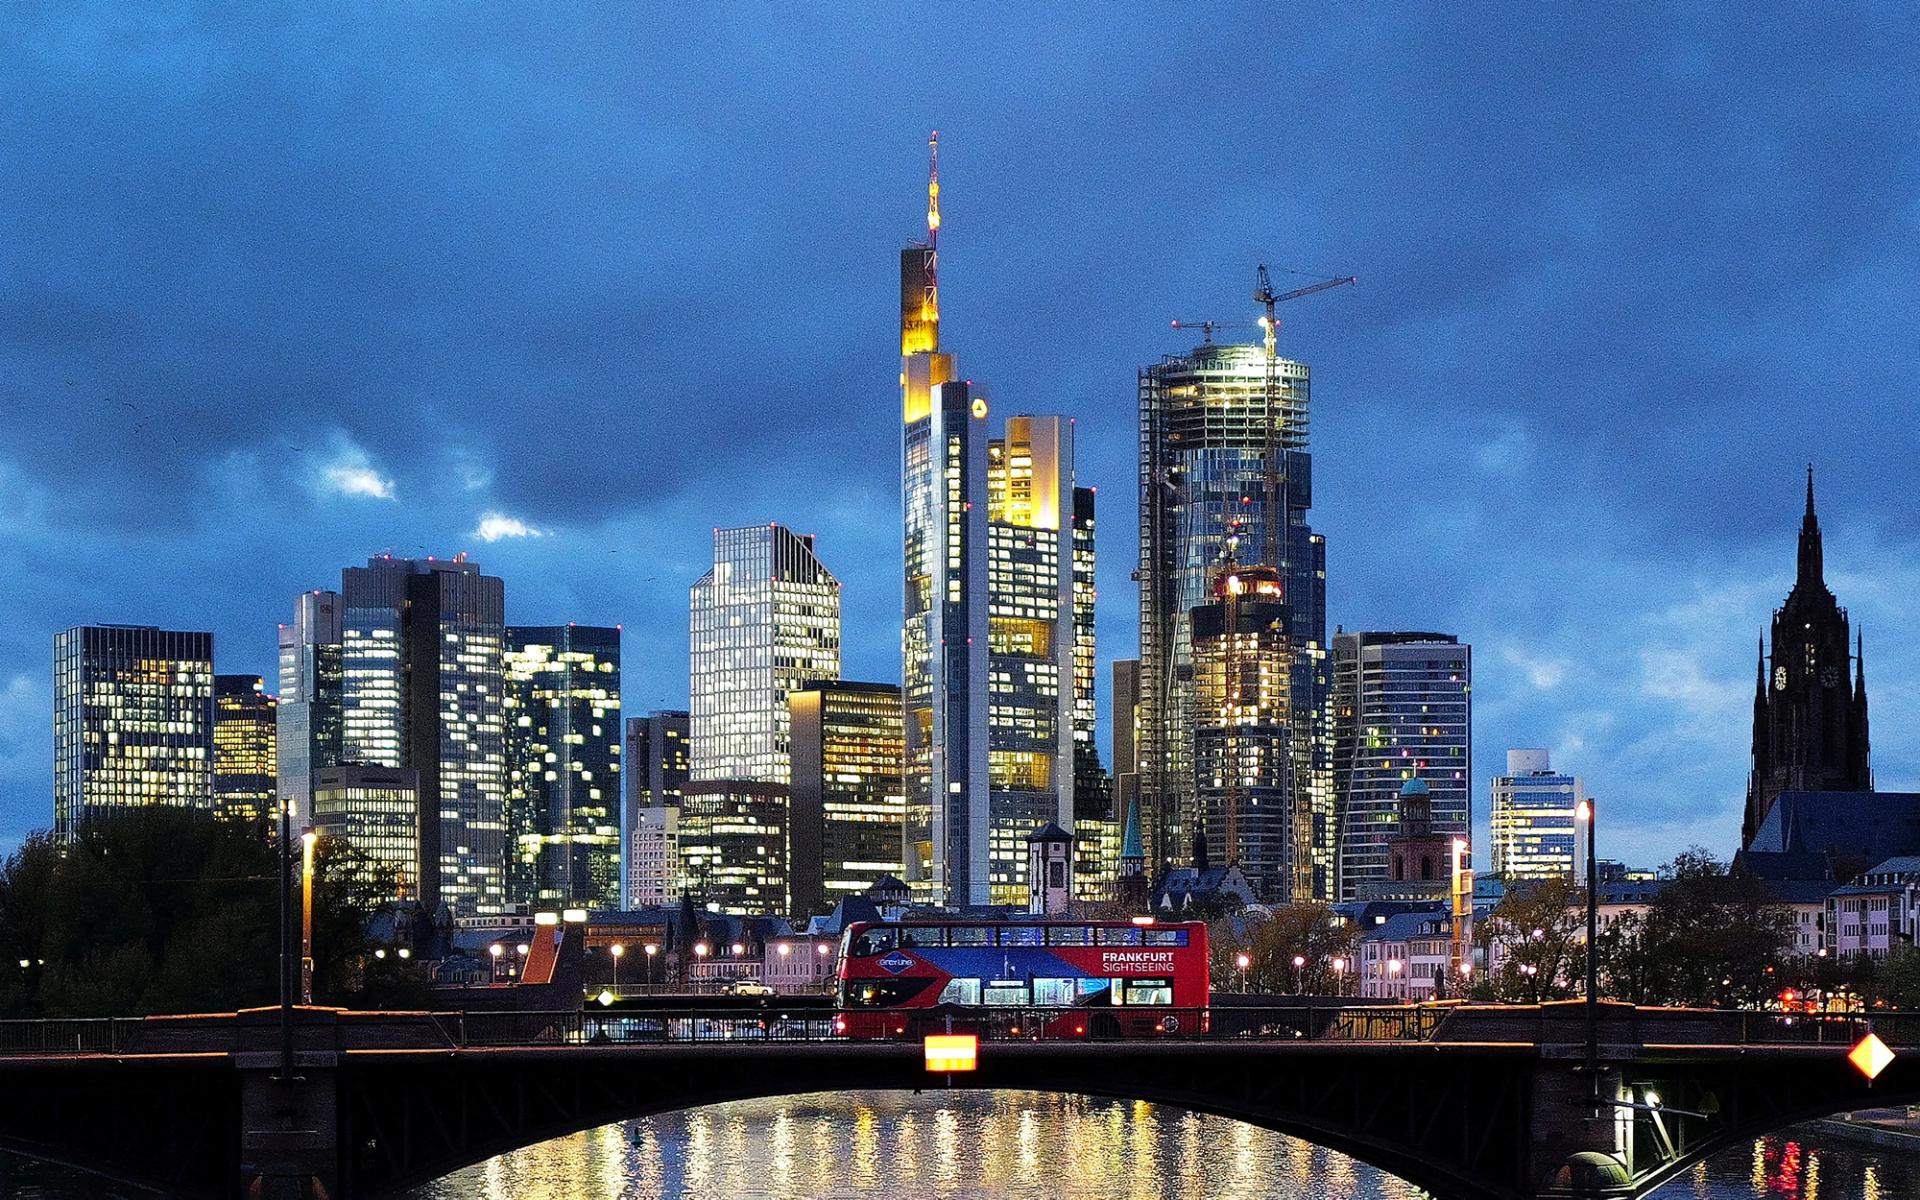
(1779, 679)
(1829, 676)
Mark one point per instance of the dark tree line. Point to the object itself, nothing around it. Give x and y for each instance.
(167, 910)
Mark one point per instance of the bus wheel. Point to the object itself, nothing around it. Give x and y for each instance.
(1104, 1027)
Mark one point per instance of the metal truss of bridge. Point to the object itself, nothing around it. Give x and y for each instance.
(1474, 1103)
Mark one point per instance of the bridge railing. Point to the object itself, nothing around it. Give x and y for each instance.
(627, 1026)
(76, 1035)
(1777, 1028)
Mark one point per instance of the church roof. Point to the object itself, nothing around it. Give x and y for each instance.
(1415, 787)
(1049, 832)
(1130, 846)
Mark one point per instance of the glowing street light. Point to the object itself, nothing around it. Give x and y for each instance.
(1339, 976)
(307, 840)
(1243, 962)
(1299, 964)
(616, 950)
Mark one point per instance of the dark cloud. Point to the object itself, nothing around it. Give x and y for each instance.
(624, 275)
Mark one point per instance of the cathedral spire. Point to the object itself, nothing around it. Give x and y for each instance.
(1812, 570)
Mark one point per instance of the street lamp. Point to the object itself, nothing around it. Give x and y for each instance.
(1339, 976)
(1393, 978)
(1299, 962)
(1243, 962)
(496, 950)
(616, 950)
(1585, 814)
(652, 950)
(307, 840)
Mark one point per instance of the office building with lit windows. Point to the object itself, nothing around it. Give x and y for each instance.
(1535, 835)
(244, 754)
(733, 846)
(423, 689)
(1242, 714)
(1402, 709)
(309, 717)
(1226, 483)
(848, 794)
(563, 765)
(655, 770)
(764, 621)
(997, 643)
(376, 810)
(132, 721)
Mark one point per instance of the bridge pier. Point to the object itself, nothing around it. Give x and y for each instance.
(1579, 1155)
(289, 1133)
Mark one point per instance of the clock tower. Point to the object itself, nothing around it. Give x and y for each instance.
(1810, 700)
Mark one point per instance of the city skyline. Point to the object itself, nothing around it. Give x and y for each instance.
(1673, 558)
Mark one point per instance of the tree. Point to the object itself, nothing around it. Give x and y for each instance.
(161, 910)
(1537, 934)
(1311, 932)
(1706, 938)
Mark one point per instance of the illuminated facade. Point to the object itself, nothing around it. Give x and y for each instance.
(423, 688)
(733, 846)
(1402, 708)
(132, 721)
(377, 811)
(1226, 476)
(1243, 753)
(764, 621)
(563, 765)
(244, 755)
(309, 718)
(655, 768)
(1535, 835)
(997, 637)
(849, 799)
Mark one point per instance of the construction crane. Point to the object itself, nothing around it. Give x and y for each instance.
(1206, 328)
(1263, 294)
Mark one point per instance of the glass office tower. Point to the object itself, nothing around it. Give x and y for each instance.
(132, 721)
(377, 811)
(244, 757)
(764, 621)
(309, 719)
(1226, 477)
(1402, 710)
(423, 689)
(1535, 835)
(848, 796)
(563, 764)
(733, 846)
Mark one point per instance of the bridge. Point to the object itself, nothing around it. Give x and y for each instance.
(1469, 1102)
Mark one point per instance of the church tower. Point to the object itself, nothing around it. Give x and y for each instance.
(1810, 697)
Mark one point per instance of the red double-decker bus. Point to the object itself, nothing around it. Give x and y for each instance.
(1089, 979)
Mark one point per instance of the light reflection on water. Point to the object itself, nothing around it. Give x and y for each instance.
(1027, 1146)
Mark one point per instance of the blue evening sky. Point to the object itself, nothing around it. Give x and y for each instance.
(567, 286)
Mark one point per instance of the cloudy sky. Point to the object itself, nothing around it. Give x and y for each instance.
(566, 290)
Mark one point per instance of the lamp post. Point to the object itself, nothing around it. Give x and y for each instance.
(495, 951)
(1393, 978)
(307, 840)
(1339, 976)
(286, 940)
(1299, 982)
(616, 950)
(652, 952)
(1243, 962)
(1585, 813)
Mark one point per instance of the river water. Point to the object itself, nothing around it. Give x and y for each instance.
(1026, 1146)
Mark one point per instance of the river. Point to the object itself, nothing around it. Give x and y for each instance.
(1023, 1146)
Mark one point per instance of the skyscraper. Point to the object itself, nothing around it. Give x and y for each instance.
(997, 612)
(1226, 482)
(423, 689)
(848, 797)
(1809, 711)
(244, 772)
(132, 721)
(1402, 709)
(656, 766)
(309, 718)
(1535, 835)
(563, 764)
(377, 811)
(733, 846)
(765, 620)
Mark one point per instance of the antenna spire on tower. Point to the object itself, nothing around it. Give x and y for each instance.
(933, 189)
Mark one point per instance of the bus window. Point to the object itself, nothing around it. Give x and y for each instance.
(1165, 937)
(883, 993)
(875, 941)
(911, 937)
(1009, 993)
(1125, 936)
(1020, 935)
(1150, 991)
(1069, 935)
(1097, 991)
(961, 991)
(1054, 993)
(969, 935)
